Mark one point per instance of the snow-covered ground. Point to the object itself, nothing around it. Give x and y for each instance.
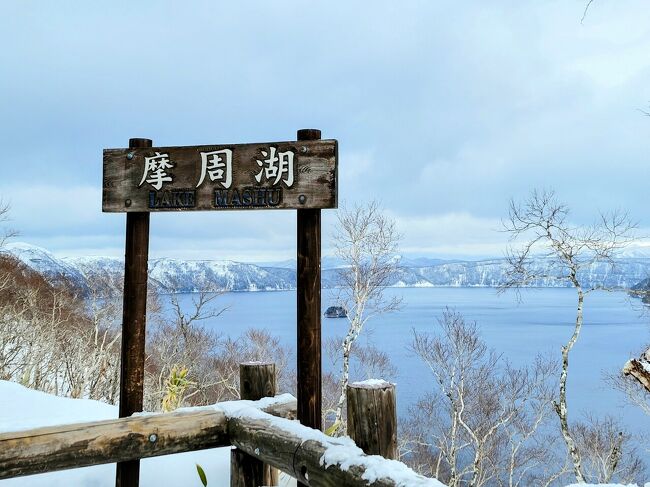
(22, 408)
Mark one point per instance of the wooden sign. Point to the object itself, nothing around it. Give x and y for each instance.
(274, 175)
(301, 175)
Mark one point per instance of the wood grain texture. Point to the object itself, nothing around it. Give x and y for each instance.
(315, 179)
(120, 440)
(256, 380)
(300, 459)
(134, 310)
(308, 296)
(80, 445)
(246, 471)
(372, 418)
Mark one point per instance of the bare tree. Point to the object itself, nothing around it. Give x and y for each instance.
(179, 343)
(530, 453)
(189, 364)
(7, 233)
(4, 236)
(253, 345)
(481, 425)
(366, 360)
(608, 451)
(91, 349)
(366, 241)
(542, 223)
(55, 339)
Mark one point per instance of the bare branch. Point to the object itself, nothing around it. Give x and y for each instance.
(482, 425)
(7, 233)
(584, 13)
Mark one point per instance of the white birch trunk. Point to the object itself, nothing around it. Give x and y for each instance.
(561, 407)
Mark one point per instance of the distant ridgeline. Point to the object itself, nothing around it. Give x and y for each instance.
(172, 275)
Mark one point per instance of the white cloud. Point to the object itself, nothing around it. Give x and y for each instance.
(444, 116)
(356, 165)
(44, 208)
(452, 235)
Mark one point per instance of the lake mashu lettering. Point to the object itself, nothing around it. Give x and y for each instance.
(248, 197)
(275, 168)
(180, 198)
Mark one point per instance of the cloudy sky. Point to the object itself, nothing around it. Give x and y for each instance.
(444, 110)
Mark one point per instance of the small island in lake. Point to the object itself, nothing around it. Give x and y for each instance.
(336, 312)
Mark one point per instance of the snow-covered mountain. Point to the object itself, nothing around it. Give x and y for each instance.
(42, 261)
(165, 275)
(173, 275)
(492, 273)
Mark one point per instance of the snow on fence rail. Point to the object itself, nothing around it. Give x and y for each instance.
(83, 444)
(264, 430)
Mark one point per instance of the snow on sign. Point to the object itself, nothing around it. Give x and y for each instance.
(271, 175)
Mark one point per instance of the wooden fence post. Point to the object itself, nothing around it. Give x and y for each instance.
(372, 417)
(134, 317)
(256, 380)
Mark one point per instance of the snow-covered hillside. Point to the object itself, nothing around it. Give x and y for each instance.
(166, 275)
(42, 261)
(173, 275)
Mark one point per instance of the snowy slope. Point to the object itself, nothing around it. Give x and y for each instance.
(43, 261)
(192, 276)
(22, 408)
(166, 275)
(491, 273)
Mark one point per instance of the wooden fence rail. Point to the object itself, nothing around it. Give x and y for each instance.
(320, 461)
(116, 440)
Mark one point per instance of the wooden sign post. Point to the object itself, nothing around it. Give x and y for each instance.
(309, 310)
(134, 315)
(299, 175)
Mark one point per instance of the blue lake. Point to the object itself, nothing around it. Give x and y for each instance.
(616, 328)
